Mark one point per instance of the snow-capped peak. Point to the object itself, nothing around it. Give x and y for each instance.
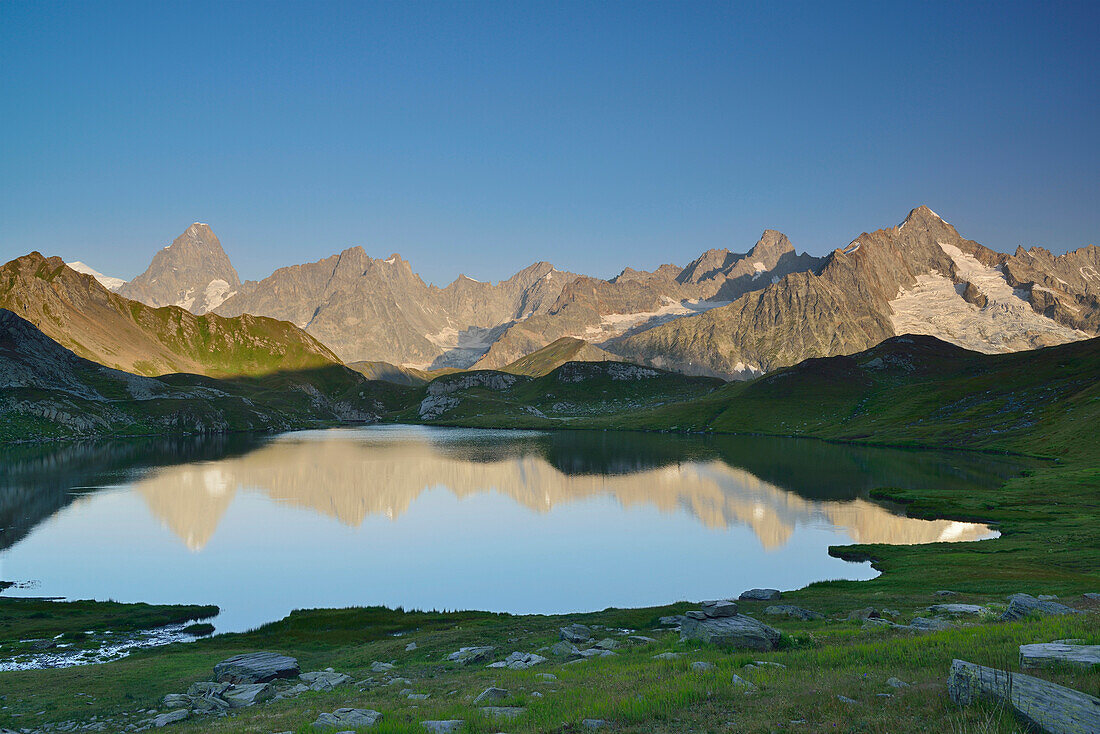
(108, 282)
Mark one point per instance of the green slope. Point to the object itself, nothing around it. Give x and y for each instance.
(557, 353)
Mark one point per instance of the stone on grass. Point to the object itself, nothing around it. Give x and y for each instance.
(719, 608)
(865, 613)
(491, 694)
(177, 700)
(945, 592)
(248, 694)
(701, 666)
(380, 667)
(576, 633)
(256, 667)
(739, 632)
(344, 717)
(931, 625)
(564, 649)
(1044, 655)
(778, 610)
(443, 727)
(324, 680)
(1021, 605)
(896, 683)
(666, 656)
(958, 609)
(171, 717)
(607, 644)
(593, 723)
(519, 661)
(845, 699)
(546, 677)
(471, 655)
(640, 639)
(1091, 596)
(503, 712)
(410, 647)
(673, 621)
(742, 683)
(760, 595)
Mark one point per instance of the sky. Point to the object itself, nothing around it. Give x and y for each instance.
(480, 137)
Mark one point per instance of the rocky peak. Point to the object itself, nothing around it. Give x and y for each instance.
(707, 265)
(771, 246)
(193, 272)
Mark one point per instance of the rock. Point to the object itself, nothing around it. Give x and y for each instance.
(348, 717)
(443, 727)
(410, 647)
(1050, 707)
(778, 610)
(958, 609)
(546, 677)
(865, 613)
(845, 699)
(695, 614)
(1021, 605)
(607, 644)
(324, 680)
(1090, 595)
(248, 694)
(945, 592)
(503, 712)
(295, 690)
(519, 661)
(593, 723)
(418, 696)
(719, 608)
(766, 664)
(741, 682)
(1049, 654)
(256, 667)
(576, 633)
(491, 694)
(666, 656)
(177, 700)
(739, 632)
(564, 649)
(760, 595)
(471, 655)
(896, 683)
(931, 625)
(1047, 597)
(379, 667)
(891, 613)
(701, 666)
(170, 718)
(673, 621)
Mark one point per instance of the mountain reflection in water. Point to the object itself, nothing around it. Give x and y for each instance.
(453, 518)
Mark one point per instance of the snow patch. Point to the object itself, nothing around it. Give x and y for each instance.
(217, 292)
(617, 324)
(108, 282)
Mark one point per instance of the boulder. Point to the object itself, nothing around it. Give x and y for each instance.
(958, 609)
(443, 727)
(248, 694)
(177, 700)
(945, 592)
(1045, 655)
(593, 723)
(379, 667)
(931, 625)
(666, 656)
(576, 633)
(348, 717)
(865, 613)
(719, 608)
(672, 621)
(471, 655)
(1021, 605)
(701, 666)
(760, 595)
(502, 712)
(896, 683)
(170, 718)
(741, 682)
(640, 639)
(778, 610)
(564, 649)
(739, 631)
(324, 680)
(491, 694)
(256, 667)
(607, 644)
(1091, 596)
(519, 661)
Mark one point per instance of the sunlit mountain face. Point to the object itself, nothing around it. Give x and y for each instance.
(434, 517)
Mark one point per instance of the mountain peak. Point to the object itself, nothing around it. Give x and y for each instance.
(922, 215)
(772, 243)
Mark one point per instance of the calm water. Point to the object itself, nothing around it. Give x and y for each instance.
(452, 518)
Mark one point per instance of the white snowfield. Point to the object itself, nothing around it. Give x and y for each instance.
(111, 284)
(617, 324)
(936, 307)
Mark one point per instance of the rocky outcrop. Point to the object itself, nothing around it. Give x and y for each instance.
(739, 632)
(1021, 605)
(256, 667)
(345, 718)
(193, 273)
(1054, 654)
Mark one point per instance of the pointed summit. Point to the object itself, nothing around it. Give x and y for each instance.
(193, 272)
(922, 215)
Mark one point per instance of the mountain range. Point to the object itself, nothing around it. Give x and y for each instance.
(726, 314)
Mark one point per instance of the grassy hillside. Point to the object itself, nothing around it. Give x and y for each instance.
(76, 311)
(557, 353)
(394, 373)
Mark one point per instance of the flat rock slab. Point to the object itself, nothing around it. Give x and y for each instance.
(760, 595)
(519, 661)
(248, 694)
(1045, 655)
(256, 667)
(739, 632)
(1021, 605)
(503, 712)
(345, 717)
(470, 655)
(954, 609)
(325, 680)
(778, 610)
(576, 633)
(719, 608)
(443, 727)
(1048, 706)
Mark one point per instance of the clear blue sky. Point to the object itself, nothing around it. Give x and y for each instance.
(478, 138)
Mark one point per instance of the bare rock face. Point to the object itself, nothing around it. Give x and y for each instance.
(193, 272)
(256, 667)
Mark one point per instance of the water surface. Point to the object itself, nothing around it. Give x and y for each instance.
(452, 518)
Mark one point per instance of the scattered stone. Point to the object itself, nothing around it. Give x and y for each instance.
(695, 614)
(519, 661)
(593, 723)
(739, 631)
(701, 666)
(674, 621)
(760, 595)
(171, 717)
(177, 700)
(564, 649)
(739, 681)
(345, 717)
(958, 609)
(1049, 654)
(766, 664)
(1021, 605)
(891, 613)
(945, 592)
(418, 696)
(324, 680)
(503, 712)
(719, 608)
(1050, 707)
(547, 677)
(256, 667)
(443, 727)
(845, 699)
(778, 610)
(576, 633)
(471, 655)
(491, 694)
(410, 647)
(666, 656)
(379, 667)
(1046, 597)
(1091, 595)
(865, 613)
(896, 683)
(248, 694)
(607, 644)
(931, 625)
